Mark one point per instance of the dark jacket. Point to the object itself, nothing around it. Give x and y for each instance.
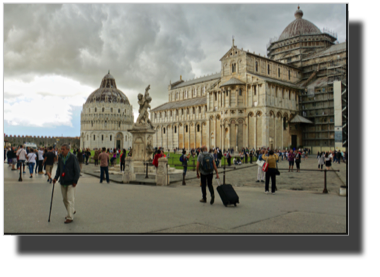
(80, 156)
(72, 170)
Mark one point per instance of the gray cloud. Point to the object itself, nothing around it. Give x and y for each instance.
(143, 43)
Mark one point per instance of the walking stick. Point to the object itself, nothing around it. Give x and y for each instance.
(51, 202)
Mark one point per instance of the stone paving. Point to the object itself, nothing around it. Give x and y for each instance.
(246, 176)
(127, 208)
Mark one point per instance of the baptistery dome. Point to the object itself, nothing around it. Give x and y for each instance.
(108, 92)
(299, 27)
(106, 118)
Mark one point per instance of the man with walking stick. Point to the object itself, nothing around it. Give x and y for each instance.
(68, 173)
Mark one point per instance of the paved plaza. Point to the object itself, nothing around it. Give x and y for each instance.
(299, 206)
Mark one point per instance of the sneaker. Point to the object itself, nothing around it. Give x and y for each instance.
(51, 181)
(212, 199)
(31, 177)
(262, 181)
(203, 200)
(23, 172)
(48, 180)
(266, 192)
(273, 193)
(258, 181)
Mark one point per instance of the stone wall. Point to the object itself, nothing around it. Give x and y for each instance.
(43, 140)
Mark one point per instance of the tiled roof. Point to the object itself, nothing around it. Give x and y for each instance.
(198, 80)
(300, 119)
(181, 104)
(271, 80)
(232, 81)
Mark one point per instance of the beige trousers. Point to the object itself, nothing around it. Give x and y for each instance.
(68, 194)
(260, 173)
(80, 166)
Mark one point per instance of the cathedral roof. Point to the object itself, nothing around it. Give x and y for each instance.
(231, 82)
(181, 104)
(299, 26)
(108, 92)
(198, 80)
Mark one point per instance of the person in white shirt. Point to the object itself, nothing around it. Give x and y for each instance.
(31, 161)
(328, 159)
(21, 153)
(40, 160)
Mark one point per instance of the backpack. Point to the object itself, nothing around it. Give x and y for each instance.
(207, 164)
(181, 159)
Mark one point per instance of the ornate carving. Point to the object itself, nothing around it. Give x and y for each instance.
(143, 101)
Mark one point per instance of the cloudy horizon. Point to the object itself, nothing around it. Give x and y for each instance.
(55, 55)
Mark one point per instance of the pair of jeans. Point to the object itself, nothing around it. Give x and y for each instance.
(271, 173)
(40, 169)
(31, 166)
(122, 166)
(102, 170)
(184, 170)
(112, 159)
(206, 180)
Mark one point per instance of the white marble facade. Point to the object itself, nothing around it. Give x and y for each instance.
(106, 116)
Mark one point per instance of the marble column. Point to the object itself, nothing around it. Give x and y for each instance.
(236, 131)
(246, 129)
(183, 135)
(195, 136)
(201, 134)
(229, 97)
(223, 98)
(215, 131)
(255, 131)
(282, 133)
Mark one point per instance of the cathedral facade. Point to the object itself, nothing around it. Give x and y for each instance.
(254, 101)
(106, 116)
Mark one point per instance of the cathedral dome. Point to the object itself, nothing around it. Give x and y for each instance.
(108, 92)
(299, 27)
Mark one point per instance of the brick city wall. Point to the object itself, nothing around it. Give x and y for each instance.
(42, 140)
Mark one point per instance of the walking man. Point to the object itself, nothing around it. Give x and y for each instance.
(68, 173)
(40, 159)
(184, 160)
(206, 165)
(21, 153)
(49, 160)
(291, 157)
(104, 158)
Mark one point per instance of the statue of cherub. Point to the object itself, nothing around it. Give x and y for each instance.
(143, 101)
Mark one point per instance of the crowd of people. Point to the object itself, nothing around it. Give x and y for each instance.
(42, 160)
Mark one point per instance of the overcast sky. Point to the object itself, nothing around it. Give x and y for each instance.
(56, 55)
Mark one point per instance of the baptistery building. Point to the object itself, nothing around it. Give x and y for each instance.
(293, 96)
(106, 116)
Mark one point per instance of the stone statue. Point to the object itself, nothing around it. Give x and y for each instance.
(144, 100)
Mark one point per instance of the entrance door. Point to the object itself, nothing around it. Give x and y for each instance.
(294, 141)
(118, 144)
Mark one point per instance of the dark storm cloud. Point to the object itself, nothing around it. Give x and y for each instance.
(142, 44)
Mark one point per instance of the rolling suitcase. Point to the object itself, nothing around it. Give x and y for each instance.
(227, 194)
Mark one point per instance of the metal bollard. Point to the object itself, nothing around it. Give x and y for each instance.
(325, 188)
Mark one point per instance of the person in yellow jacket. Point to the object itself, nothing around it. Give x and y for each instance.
(271, 159)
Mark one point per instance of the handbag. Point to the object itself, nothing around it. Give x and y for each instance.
(265, 167)
(277, 171)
